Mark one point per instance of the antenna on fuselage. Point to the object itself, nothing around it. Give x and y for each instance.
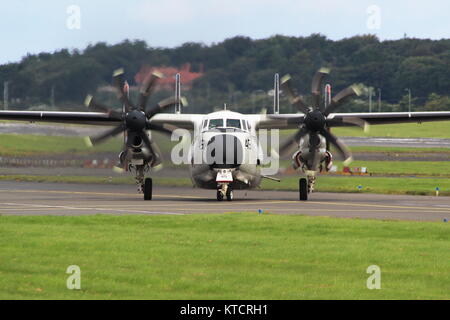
(225, 107)
(177, 93)
(276, 94)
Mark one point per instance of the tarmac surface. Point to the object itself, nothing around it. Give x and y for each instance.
(29, 198)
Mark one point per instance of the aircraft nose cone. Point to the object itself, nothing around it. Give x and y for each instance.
(224, 151)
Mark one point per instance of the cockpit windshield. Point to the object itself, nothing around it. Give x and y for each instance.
(233, 123)
(215, 123)
(225, 124)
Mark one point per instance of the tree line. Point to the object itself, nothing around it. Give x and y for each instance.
(239, 71)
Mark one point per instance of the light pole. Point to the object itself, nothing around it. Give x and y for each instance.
(409, 99)
(379, 100)
(370, 99)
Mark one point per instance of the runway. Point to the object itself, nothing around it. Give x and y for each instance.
(24, 198)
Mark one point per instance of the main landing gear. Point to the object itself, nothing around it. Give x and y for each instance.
(306, 186)
(145, 185)
(147, 188)
(303, 189)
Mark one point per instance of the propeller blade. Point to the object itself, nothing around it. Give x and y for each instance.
(341, 98)
(316, 86)
(93, 105)
(92, 141)
(341, 147)
(147, 89)
(147, 141)
(153, 148)
(293, 141)
(295, 99)
(168, 102)
(118, 169)
(120, 83)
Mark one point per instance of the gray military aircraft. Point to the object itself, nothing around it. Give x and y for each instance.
(225, 152)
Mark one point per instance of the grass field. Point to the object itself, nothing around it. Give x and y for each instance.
(440, 129)
(384, 185)
(27, 145)
(417, 168)
(418, 151)
(222, 256)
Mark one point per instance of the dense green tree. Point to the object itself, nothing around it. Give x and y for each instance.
(246, 66)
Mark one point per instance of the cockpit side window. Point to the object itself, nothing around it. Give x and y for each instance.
(205, 122)
(233, 123)
(215, 123)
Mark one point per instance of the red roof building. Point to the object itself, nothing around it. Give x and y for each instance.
(168, 80)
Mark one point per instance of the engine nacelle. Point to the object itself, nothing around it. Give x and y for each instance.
(136, 142)
(326, 163)
(297, 161)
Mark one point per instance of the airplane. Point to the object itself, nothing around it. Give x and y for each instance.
(225, 152)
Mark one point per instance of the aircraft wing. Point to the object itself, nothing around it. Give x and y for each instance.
(185, 121)
(276, 121)
(92, 118)
(181, 120)
(293, 120)
(394, 117)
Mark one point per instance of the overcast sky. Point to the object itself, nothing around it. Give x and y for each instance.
(35, 26)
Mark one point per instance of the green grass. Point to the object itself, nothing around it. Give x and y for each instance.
(419, 152)
(440, 129)
(413, 168)
(396, 168)
(26, 145)
(221, 256)
(383, 185)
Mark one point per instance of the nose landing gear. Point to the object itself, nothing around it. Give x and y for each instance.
(223, 179)
(224, 190)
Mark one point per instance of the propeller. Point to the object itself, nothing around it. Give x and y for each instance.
(317, 119)
(135, 118)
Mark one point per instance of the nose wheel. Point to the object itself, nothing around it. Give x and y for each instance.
(224, 191)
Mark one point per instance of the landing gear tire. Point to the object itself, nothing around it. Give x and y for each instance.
(303, 189)
(148, 185)
(219, 195)
(229, 194)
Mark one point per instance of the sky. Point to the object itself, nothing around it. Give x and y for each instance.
(30, 26)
